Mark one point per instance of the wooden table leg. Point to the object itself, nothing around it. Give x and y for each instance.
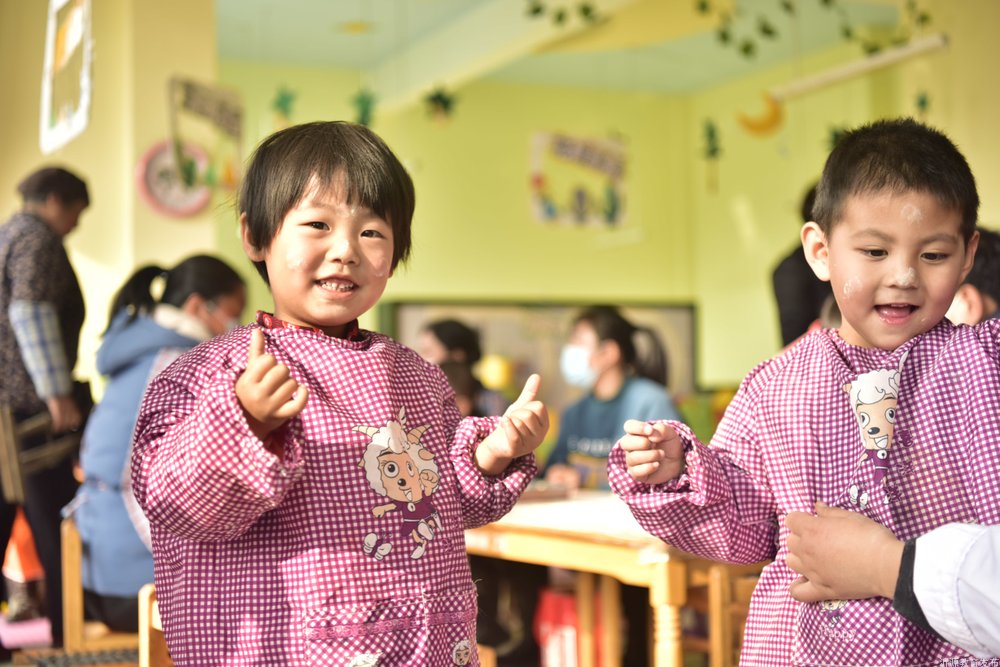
(585, 617)
(611, 622)
(667, 594)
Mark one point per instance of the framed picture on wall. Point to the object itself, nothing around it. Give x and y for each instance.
(523, 338)
(66, 78)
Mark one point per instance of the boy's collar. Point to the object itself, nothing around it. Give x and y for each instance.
(269, 321)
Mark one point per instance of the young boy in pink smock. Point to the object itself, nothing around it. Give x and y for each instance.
(895, 415)
(308, 482)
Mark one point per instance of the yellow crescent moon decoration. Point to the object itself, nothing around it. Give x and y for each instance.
(766, 123)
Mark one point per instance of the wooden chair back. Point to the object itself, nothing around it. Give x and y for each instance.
(729, 590)
(16, 462)
(78, 633)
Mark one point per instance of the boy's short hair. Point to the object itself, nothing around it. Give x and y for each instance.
(896, 155)
(336, 154)
(985, 272)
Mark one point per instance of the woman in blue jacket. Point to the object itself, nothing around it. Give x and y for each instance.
(202, 297)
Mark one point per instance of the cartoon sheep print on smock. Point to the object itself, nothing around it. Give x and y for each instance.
(399, 468)
(874, 398)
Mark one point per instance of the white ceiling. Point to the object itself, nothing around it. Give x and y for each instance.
(311, 32)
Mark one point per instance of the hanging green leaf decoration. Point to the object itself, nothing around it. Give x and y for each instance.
(535, 8)
(364, 105)
(559, 16)
(587, 12)
(766, 28)
(770, 24)
(923, 102)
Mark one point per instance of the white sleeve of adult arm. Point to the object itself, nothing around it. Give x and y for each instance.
(956, 579)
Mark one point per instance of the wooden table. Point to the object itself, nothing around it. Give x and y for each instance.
(595, 534)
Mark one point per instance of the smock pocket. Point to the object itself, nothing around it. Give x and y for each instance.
(435, 630)
(847, 632)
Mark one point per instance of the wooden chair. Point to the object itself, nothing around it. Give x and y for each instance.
(729, 590)
(16, 462)
(487, 656)
(152, 644)
(78, 633)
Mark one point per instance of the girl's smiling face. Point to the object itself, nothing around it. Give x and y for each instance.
(895, 262)
(328, 263)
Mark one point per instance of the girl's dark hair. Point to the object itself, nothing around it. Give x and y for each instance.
(62, 183)
(897, 156)
(457, 336)
(204, 275)
(331, 155)
(611, 325)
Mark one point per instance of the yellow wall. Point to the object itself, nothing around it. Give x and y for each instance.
(137, 47)
(475, 237)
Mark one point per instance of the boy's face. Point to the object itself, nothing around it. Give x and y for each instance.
(894, 262)
(328, 263)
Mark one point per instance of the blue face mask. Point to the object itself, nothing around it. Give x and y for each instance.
(574, 362)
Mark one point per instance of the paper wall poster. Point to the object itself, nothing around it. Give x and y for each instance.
(212, 118)
(578, 181)
(66, 76)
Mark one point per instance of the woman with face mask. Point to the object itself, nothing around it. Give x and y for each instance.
(602, 357)
(202, 297)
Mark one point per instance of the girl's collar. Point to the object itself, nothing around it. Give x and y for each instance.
(176, 320)
(269, 321)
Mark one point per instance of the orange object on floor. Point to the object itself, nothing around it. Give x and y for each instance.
(21, 559)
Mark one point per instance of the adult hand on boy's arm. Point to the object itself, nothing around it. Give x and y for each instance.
(841, 555)
(268, 393)
(522, 429)
(654, 453)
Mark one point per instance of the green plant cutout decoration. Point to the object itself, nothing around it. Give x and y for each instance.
(836, 133)
(713, 151)
(364, 105)
(923, 104)
(440, 104)
(282, 105)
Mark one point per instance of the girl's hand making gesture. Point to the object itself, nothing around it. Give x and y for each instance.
(654, 453)
(266, 390)
(521, 430)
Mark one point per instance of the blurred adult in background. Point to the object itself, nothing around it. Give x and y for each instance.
(799, 293)
(202, 297)
(451, 340)
(41, 314)
(603, 357)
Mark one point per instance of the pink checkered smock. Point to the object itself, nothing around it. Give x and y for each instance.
(790, 438)
(313, 557)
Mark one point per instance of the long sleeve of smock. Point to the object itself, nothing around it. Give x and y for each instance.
(197, 469)
(721, 507)
(485, 499)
